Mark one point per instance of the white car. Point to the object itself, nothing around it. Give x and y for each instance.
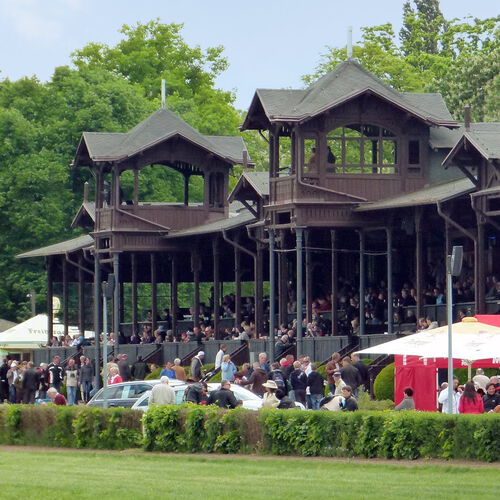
(250, 401)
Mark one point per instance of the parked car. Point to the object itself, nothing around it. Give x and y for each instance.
(250, 401)
(125, 394)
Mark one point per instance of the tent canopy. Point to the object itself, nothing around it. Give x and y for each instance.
(472, 340)
(33, 333)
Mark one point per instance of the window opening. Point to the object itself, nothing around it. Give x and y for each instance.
(362, 149)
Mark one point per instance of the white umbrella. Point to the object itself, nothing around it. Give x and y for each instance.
(472, 340)
(33, 333)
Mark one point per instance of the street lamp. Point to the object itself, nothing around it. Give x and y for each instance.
(453, 268)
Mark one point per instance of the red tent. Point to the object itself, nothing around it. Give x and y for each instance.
(422, 373)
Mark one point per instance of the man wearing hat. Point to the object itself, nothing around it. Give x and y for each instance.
(196, 370)
(338, 383)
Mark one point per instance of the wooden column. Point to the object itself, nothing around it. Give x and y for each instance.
(136, 187)
(258, 296)
(174, 302)
(237, 287)
(334, 278)
(97, 316)
(283, 283)
(135, 322)
(195, 268)
(216, 270)
(154, 292)
(116, 297)
(390, 311)
(65, 296)
(362, 282)
(309, 273)
(186, 190)
(81, 296)
(272, 293)
(419, 264)
(479, 268)
(299, 231)
(50, 298)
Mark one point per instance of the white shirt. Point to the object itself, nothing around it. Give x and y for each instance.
(218, 358)
(162, 394)
(443, 399)
(481, 381)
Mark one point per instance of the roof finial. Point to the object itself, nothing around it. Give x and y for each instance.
(163, 94)
(467, 118)
(349, 43)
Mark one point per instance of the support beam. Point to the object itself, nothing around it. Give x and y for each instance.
(154, 292)
(272, 294)
(116, 298)
(65, 296)
(334, 281)
(216, 277)
(259, 277)
(362, 282)
(135, 322)
(97, 316)
(50, 298)
(195, 268)
(81, 296)
(283, 282)
(299, 232)
(237, 287)
(309, 272)
(390, 308)
(186, 190)
(479, 268)
(136, 187)
(174, 299)
(419, 264)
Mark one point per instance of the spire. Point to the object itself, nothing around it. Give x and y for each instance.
(163, 94)
(349, 43)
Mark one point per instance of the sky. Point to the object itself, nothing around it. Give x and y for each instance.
(269, 43)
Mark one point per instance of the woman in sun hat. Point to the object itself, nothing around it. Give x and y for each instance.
(270, 399)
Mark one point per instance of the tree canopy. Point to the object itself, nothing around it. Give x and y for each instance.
(459, 58)
(113, 88)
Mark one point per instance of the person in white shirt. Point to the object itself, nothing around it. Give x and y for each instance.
(480, 379)
(162, 393)
(219, 355)
(443, 398)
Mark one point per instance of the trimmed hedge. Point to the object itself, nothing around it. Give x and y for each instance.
(383, 386)
(70, 426)
(401, 435)
(191, 428)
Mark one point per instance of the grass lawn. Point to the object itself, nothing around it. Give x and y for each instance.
(32, 474)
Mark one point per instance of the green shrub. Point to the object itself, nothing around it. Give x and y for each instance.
(366, 403)
(383, 387)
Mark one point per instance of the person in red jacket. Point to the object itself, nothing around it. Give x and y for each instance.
(470, 401)
(57, 399)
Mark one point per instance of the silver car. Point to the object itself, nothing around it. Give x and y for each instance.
(250, 401)
(125, 394)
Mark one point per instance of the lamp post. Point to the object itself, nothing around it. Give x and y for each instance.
(108, 288)
(453, 268)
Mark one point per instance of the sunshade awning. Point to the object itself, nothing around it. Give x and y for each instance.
(471, 340)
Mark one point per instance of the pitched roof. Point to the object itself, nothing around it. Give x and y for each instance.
(427, 196)
(162, 125)
(87, 209)
(347, 81)
(258, 182)
(484, 137)
(61, 248)
(232, 222)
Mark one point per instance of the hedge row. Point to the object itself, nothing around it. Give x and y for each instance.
(190, 428)
(70, 426)
(401, 435)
